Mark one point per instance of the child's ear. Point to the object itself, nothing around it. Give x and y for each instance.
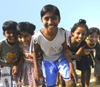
(4, 34)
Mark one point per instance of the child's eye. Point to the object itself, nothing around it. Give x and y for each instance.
(91, 36)
(11, 32)
(46, 18)
(25, 36)
(8, 32)
(54, 18)
(96, 36)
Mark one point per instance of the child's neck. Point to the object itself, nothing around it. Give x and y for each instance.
(49, 35)
(11, 43)
(91, 44)
(74, 44)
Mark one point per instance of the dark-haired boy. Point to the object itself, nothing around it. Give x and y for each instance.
(9, 53)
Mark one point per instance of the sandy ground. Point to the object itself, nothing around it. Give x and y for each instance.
(92, 80)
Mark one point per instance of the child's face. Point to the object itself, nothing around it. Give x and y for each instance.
(50, 21)
(79, 34)
(10, 35)
(93, 38)
(24, 38)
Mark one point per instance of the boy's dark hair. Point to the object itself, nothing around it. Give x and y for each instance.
(92, 30)
(9, 25)
(50, 8)
(81, 23)
(25, 27)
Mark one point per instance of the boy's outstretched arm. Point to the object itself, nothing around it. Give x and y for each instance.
(68, 55)
(72, 71)
(78, 54)
(36, 72)
(16, 68)
(17, 65)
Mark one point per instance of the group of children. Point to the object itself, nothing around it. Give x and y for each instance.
(31, 59)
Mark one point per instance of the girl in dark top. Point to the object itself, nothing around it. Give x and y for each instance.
(86, 59)
(76, 42)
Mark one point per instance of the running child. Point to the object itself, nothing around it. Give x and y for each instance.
(52, 41)
(26, 74)
(86, 59)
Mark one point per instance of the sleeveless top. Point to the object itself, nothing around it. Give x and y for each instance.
(77, 47)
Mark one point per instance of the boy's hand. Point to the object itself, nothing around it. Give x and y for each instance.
(77, 57)
(14, 71)
(36, 76)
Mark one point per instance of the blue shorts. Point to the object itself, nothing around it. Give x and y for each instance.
(50, 70)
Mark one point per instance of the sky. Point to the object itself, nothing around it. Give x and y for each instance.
(70, 10)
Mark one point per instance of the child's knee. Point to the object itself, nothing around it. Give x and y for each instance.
(70, 83)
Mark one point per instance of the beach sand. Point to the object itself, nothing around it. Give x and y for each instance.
(92, 80)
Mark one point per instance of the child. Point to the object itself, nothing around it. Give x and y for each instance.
(26, 74)
(86, 59)
(76, 41)
(97, 62)
(9, 53)
(60, 80)
(52, 41)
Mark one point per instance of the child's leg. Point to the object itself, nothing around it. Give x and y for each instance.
(83, 78)
(85, 70)
(57, 82)
(87, 79)
(64, 70)
(70, 83)
(97, 71)
(50, 73)
(62, 81)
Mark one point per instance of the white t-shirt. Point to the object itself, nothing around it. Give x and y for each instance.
(52, 50)
(67, 37)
